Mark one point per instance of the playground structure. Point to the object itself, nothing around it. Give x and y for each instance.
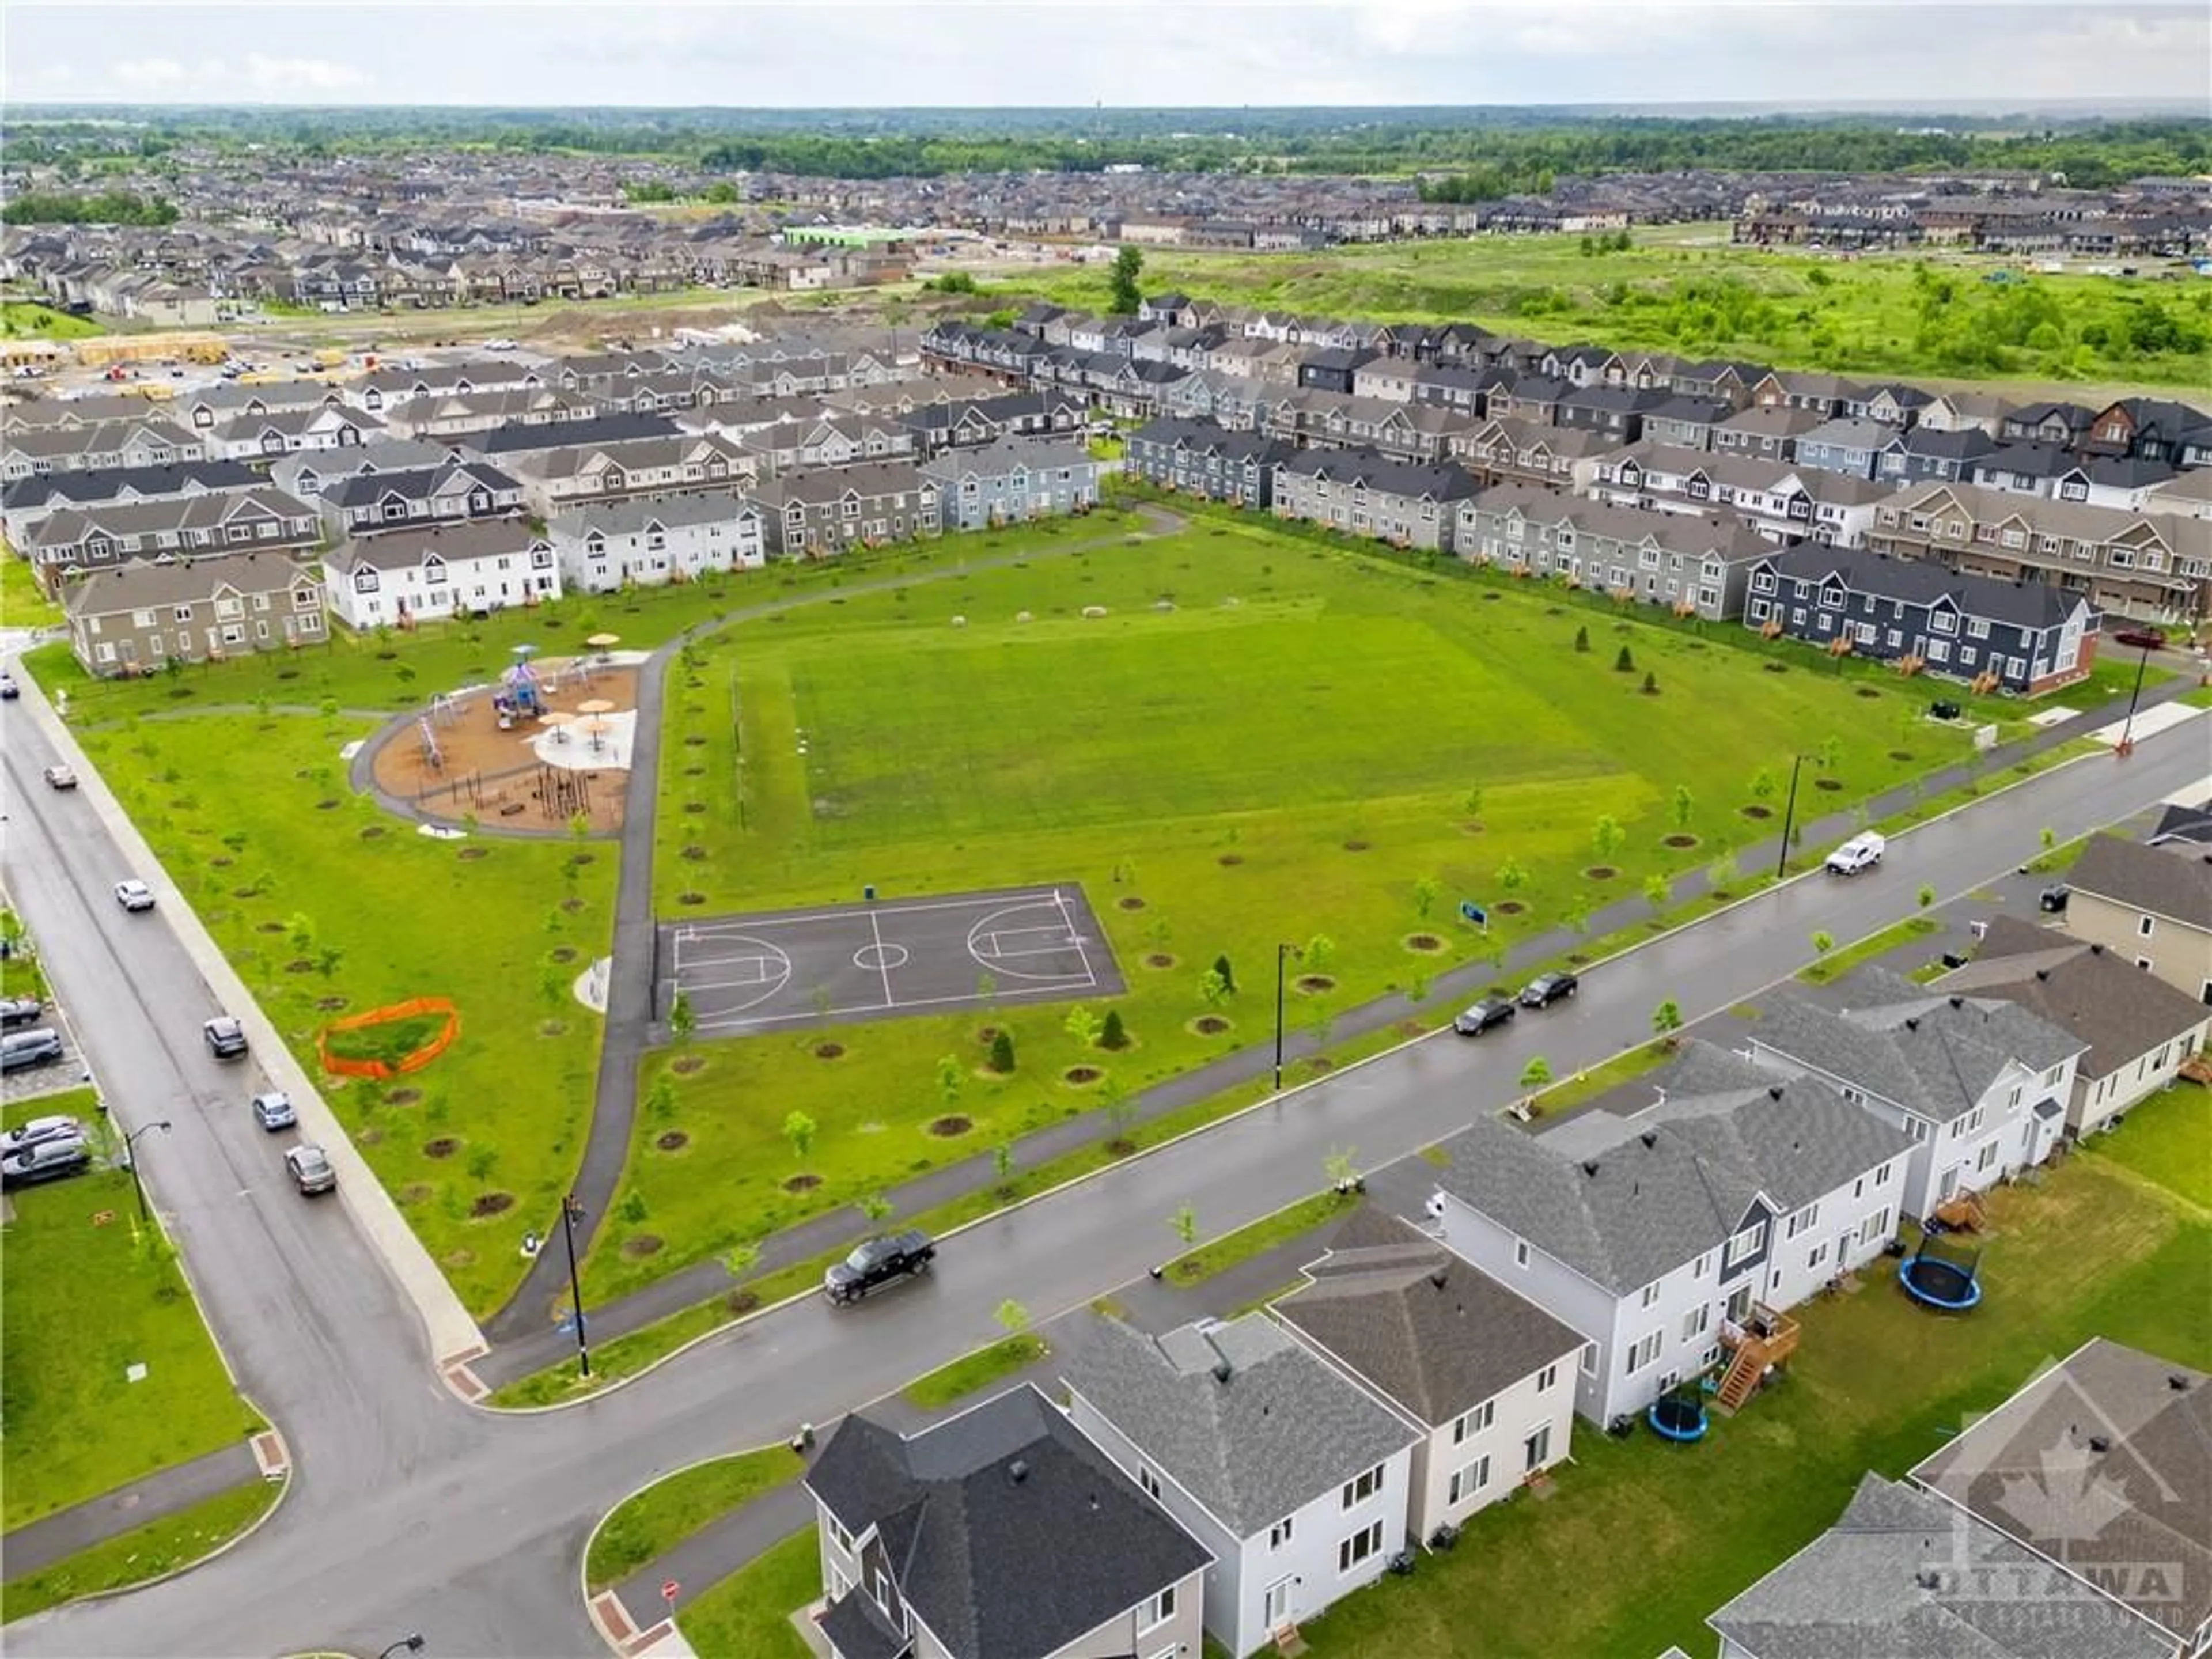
(1679, 1414)
(1942, 1275)
(504, 756)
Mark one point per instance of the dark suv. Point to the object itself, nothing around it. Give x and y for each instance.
(226, 1036)
(878, 1262)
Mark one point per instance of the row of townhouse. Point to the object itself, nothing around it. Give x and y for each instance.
(25, 502)
(436, 573)
(1373, 497)
(451, 492)
(558, 475)
(1783, 501)
(73, 542)
(133, 618)
(103, 446)
(1199, 457)
(1690, 565)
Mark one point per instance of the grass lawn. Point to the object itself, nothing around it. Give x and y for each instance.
(1195, 1266)
(27, 319)
(972, 1373)
(642, 1528)
(1836, 963)
(480, 1144)
(147, 1552)
(85, 1294)
(1685, 290)
(1876, 1384)
(2167, 1139)
(1623, 1067)
(748, 1614)
(23, 603)
(20, 973)
(1345, 742)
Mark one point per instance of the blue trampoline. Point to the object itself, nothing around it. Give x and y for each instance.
(1947, 1279)
(1679, 1415)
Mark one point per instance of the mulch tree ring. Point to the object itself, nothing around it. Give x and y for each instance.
(563, 953)
(579, 859)
(1356, 845)
(1601, 873)
(268, 927)
(415, 1191)
(1313, 984)
(691, 898)
(1679, 841)
(695, 852)
(1868, 691)
(638, 1246)
(1470, 827)
(1230, 860)
(299, 965)
(946, 1128)
(1130, 902)
(829, 1050)
(1081, 1076)
(986, 1035)
(695, 741)
(369, 1136)
(454, 1261)
(491, 1204)
(1209, 1025)
(1120, 1146)
(1829, 785)
(402, 1096)
(1426, 944)
(443, 1146)
(685, 1065)
(1509, 907)
(326, 805)
(741, 1301)
(1412, 1028)
(219, 864)
(672, 1140)
(1775, 667)
(572, 904)
(372, 832)
(471, 854)
(255, 892)
(695, 771)
(1319, 1063)
(330, 1005)
(695, 806)
(802, 1183)
(552, 1028)
(1900, 754)
(1757, 811)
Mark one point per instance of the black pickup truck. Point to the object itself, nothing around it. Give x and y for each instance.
(878, 1262)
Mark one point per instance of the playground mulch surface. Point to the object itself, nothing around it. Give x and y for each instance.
(495, 775)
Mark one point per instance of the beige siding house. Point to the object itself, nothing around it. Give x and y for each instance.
(138, 617)
(2150, 905)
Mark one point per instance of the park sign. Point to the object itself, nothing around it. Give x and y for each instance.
(1470, 911)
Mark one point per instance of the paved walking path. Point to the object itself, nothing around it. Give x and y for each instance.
(526, 1346)
(30, 1549)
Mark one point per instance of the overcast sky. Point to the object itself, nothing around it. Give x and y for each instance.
(1130, 52)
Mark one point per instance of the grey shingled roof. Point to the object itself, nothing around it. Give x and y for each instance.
(1935, 1054)
(2103, 1463)
(1001, 1567)
(2167, 881)
(1278, 1429)
(1903, 1576)
(1918, 582)
(1433, 1333)
(2105, 1000)
(1679, 1179)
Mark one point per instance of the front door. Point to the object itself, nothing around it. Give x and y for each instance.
(1277, 1612)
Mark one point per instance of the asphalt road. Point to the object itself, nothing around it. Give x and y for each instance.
(412, 1512)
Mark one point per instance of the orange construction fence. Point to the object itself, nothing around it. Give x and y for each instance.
(345, 1065)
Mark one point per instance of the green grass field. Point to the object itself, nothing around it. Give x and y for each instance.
(2165, 1139)
(26, 320)
(639, 1529)
(85, 1294)
(157, 1548)
(1684, 289)
(748, 1614)
(23, 603)
(1287, 752)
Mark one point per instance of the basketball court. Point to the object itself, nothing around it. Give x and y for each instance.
(884, 957)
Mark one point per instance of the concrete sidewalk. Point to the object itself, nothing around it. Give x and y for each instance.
(30, 1549)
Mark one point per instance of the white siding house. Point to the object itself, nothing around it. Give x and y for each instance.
(650, 542)
(462, 569)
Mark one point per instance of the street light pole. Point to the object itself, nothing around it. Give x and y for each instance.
(130, 1157)
(1283, 954)
(2149, 639)
(411, 1644)
(1789, 817)
(571, 1211)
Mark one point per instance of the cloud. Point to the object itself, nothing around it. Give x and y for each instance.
(150, 76)
(298, 74)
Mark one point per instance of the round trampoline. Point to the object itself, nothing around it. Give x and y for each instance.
(1939, 1282)
(1679, 1416)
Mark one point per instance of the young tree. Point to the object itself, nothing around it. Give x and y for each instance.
(1120, 1109)
(1657, 890)
(1683, 807)
(986, 989)
(1832, 752)
(1606, 836)
(1471, 802)
(1213, 989)
(1081, 1026)
(1185, 1222)
(874, 1206)
(1425, 889)
(1002, 1163)
(1128, 265)
(1650, 683)
(1320, 951)
(1012, 1316)
(683, 1018)
(1625, 662)
(1228, 975)
(1536, 1074)
(1510, 876)
(948, 1080)
(1667, 1019)
(1582, 638)
(1341, 1167)
(798, 1129)
(741, 1259)
(1002, 1051)
(1926, 896)
(1762, 784)
(660, 1099)
(1113, 1034)
(1823, 942)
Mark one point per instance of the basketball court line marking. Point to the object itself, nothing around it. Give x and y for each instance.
(1036, 990)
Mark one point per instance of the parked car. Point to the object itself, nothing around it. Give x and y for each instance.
(134, 896)
(878, 1262)
(38, 1129)
(46, 1160)
(1545, 989)
(273, 1110)
(226, 1037)
(8, 690)
(19, 1011)
(2051, 901)
(1491, 1011)
(1859, 852)
(310, 1168)
(20, 1049)
(60, 777)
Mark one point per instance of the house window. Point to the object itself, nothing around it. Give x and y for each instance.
(1536, 1450)
(1745, 1243)
(1651, 1293)
(1547, 1378)
(1643, 1352)
(1366, 1542)
(1695, 1322)
(1281, 1533)
(1466, 1482)
(1158, 1610)
(1365, 1486)
(1474, 1422)
(2143, 927)
(838, 1535)
(1148, 1480)
(1875, 1226)
(1703, 1266)
(1989, 1156)
(1520, 1253)
(1804, 1218)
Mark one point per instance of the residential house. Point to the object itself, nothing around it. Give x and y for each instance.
(2150, 428)
(25, 502)
(132, 618)
(2063, 424)
(2025, 469)
(1001, 1533)
(1765, 433)
(2028, 638)
(1978, 1086)
(2151, 906)
(2112, 1441)
(1197, 458)
(554, 480)
(1945, 454)
(1694, 565)
(452, 493)
(1368, 496)
(1825, 395)
(1012, 480)
(1782, 501)
(1617, 412)
(77, 539)
(2188, 495)
(1230, 401)
(212, 406)
(456, 414)
(1963, 411)
(288, 432)
(1505, 451)
(387, 389)
(2139, 1029)
(105, 447)
(1391, 379)
(1903, 1571)
(312, 471)
(452, 570)
(1417, 433)
(1669, 1235)
(1684, 421)
(1849, 446)
(1464, 389)
(647, 542)
(1332, 368)
(1484, 1374)
(967, 423)
(2153, 565)
(1292, 1475)
(812, 514)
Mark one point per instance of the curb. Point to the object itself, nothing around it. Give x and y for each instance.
(446, 1323)
(284, 1491)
